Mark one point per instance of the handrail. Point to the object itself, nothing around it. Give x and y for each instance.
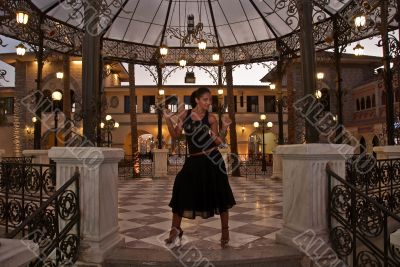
(380, 206)
(44, 205)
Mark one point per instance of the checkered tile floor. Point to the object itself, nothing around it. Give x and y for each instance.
(145, 218)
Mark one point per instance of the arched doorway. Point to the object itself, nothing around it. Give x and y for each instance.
(255, 145)
(146, 142)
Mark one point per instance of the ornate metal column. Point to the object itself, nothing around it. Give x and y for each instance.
(220, 104)
(305, 9)
(291, 119)
(232, 127)
(38, 97)
(159, 111)
(338, 57)
(91, 71)
(66, 96)
(279, 75)
(387, 74)
(132, 101)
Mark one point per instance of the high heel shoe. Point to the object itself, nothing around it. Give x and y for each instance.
(224, 237)
(173, 235)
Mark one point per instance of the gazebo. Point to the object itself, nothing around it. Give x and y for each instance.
(223, 34)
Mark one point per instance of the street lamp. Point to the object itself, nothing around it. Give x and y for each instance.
(56, 96)
(108, 125)
(160, 106)
(263, 124)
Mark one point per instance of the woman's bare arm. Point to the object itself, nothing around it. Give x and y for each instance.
(174, 130)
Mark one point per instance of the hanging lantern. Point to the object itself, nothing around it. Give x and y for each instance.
(202, 44)
(358, 50)
(360, 21)
(216, 57)
(21, 49)
(182, 62)
(272, 86)
(22, 17)
(163, 50)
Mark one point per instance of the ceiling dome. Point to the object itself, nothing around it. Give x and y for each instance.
(241, 31)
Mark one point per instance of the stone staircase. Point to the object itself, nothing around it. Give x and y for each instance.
(275, 255)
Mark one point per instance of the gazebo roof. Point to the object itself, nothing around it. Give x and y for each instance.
(243, 31)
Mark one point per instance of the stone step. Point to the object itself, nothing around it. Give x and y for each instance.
(271, 256)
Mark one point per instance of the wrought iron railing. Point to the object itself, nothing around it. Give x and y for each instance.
(175, 163)
(378, 179)
(17, 159)
(23, 189)
(251, 165)
(55, 227)
(360, 226)
(140, 165)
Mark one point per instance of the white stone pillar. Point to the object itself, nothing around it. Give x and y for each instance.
(305, 187)
(16, 252)
(39, 156)
(98, 168)
(276, 166)
(387, 152)
(160, 162)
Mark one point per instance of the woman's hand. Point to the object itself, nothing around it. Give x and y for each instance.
(226, 121)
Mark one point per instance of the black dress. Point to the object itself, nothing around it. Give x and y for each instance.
(201, 188)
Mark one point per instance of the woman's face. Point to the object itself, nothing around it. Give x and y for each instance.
(204, 101)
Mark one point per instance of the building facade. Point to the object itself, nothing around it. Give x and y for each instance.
(363, 104)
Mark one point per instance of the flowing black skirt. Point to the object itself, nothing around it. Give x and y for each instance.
(202, 188)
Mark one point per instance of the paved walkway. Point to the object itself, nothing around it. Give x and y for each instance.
(145, 218)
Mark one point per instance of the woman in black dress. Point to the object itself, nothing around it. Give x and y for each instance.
(201, 188)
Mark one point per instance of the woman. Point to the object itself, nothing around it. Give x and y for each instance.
(201, 188)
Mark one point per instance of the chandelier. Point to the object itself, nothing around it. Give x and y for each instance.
(194, 34)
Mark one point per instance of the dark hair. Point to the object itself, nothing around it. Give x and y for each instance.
(197, 94)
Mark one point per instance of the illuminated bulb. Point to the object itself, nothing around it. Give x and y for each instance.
(358, 50)
(116, 125)
(182, 62)
(163, 50)
(272, 86)
(360, 21)
(215, 57)
(220, 91)
(320, 75)
(21, 49)
(56, 95)
(161, 92)
(22, 17)
(256, 124)
(270, 124)
(263, 117)
(60, 75)
(108, 117)
(202, 44)
(318, 94)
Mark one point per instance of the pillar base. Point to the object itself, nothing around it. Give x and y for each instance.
(160, 164)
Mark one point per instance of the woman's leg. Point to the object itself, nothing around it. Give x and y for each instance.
(176, 221)
(224, 228)
(176, 230)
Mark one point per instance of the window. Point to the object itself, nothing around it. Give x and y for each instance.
(373, 101)
(362, 103)
(269, 103)
(186, 100)
(171, 103)
(7, 105)
(358, 104)
(368, 102)
(127, 103)
(252, 103)
(149, 104)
